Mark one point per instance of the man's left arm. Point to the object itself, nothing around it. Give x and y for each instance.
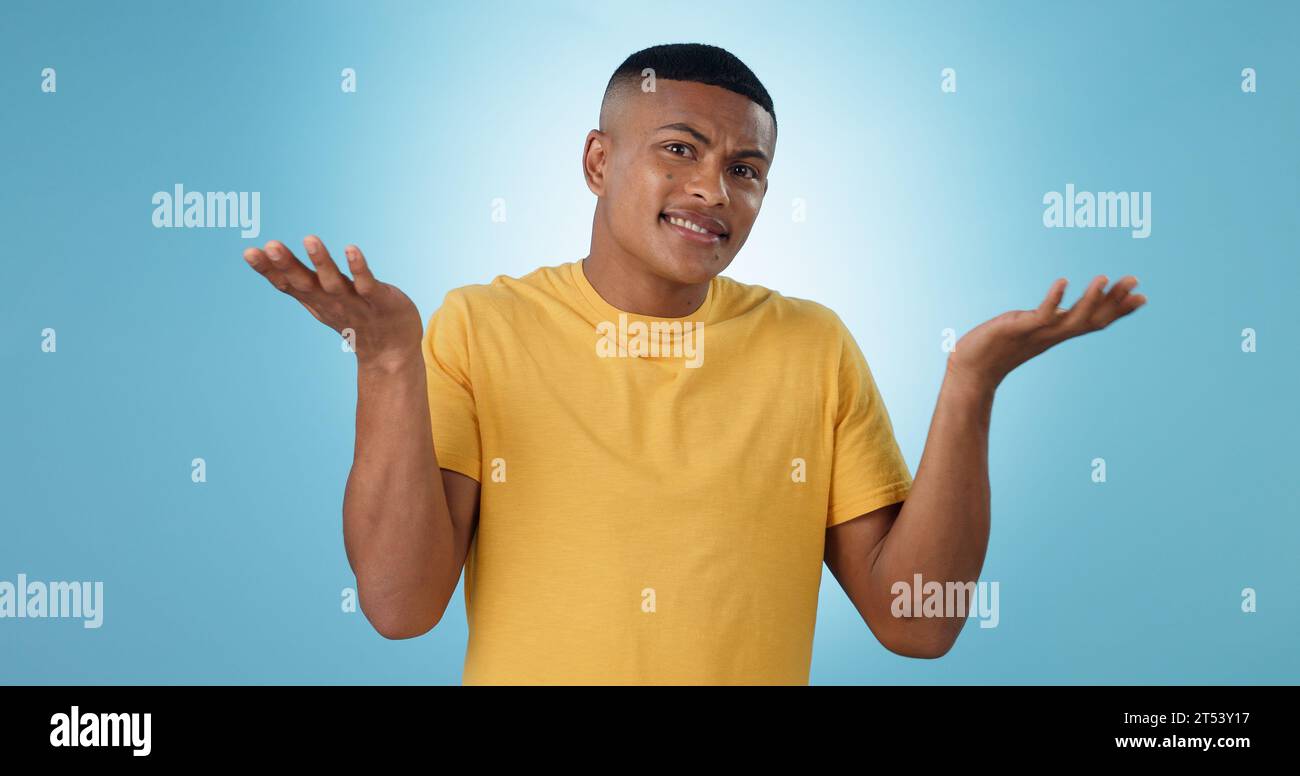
(941, 531)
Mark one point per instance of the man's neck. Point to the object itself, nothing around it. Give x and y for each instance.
(633, 289)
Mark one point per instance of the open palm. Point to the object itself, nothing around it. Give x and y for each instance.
(991, 350)
(384, 323)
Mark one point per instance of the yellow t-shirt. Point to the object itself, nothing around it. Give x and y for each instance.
(654, 500)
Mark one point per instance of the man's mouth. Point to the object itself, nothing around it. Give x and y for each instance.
(691, 230)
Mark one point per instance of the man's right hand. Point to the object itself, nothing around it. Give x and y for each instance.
(385, 323)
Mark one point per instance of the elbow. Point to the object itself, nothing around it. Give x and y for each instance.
(917, 638)
(399, 617)
(923, 650)
(399, 633)
(397, 628)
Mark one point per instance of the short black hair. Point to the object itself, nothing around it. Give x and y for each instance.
(698, 62)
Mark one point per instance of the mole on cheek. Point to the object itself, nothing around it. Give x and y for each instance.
(670, 176)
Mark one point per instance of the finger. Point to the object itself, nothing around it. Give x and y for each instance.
(258, 260)
(327, 274)
(302, 279)
(1120, 290)
(362, 278)
(1132, 303)
(1080, 316)
(1112, 307)
(1051, 304)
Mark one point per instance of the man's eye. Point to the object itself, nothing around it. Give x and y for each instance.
(753, 174)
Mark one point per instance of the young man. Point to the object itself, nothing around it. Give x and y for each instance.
(644, 463)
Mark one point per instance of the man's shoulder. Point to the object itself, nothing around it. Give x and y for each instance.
(505, 293)
(776, 307)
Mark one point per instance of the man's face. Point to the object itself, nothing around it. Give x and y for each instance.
(684, 151)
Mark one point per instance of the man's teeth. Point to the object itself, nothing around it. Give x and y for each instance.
(689, 225)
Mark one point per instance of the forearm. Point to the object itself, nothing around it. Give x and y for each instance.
(942, 530)
(397, 530)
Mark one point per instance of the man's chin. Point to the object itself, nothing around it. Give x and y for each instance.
(691, 267)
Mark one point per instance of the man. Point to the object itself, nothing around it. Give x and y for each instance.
(644, 463)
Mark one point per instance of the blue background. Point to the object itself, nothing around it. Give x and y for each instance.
(924, 212)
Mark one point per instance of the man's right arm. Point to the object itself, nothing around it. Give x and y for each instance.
(406, 530)
(406, 533)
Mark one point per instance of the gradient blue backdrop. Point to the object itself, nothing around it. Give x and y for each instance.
(923, 213)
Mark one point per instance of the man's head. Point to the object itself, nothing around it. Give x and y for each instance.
(686, 130)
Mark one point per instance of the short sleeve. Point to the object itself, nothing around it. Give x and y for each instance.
(452, 411)
(868, 470)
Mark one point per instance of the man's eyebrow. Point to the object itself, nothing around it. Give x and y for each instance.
(695, 133)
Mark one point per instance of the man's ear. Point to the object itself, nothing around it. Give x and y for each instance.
(594, 156)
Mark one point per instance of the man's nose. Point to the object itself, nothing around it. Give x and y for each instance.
(709, 185)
